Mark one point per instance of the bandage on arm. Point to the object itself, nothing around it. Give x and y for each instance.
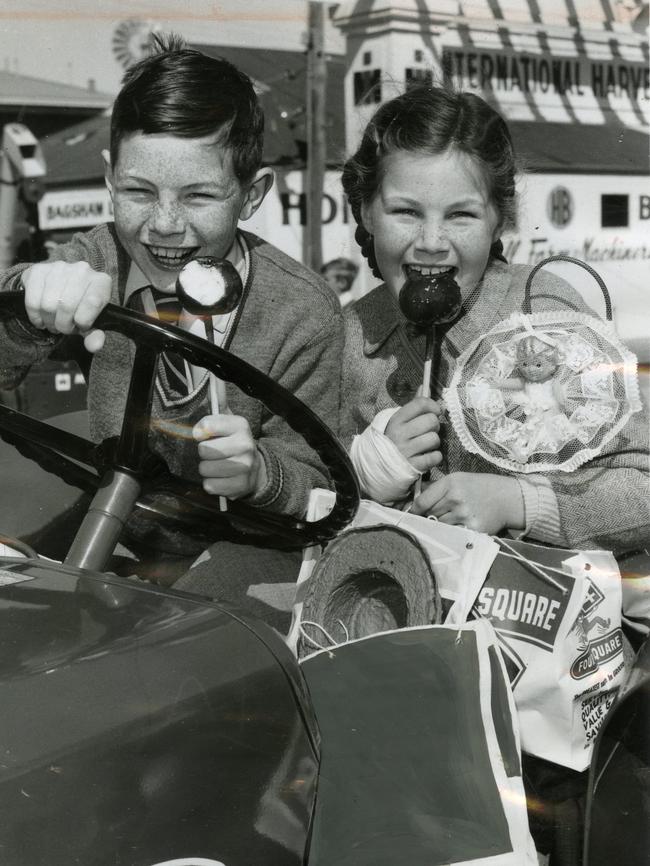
(385, 475)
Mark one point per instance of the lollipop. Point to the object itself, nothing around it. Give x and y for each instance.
(426, 301)
(431, 299)
(209, 287)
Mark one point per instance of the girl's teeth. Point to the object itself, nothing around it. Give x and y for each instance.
(427, 272)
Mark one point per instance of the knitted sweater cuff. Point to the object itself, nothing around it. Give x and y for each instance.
(542, 514)
(22, 329)
(274, 480)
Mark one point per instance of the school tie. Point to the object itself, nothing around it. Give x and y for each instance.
(168, 309)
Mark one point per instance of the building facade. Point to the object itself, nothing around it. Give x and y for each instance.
(572, 79)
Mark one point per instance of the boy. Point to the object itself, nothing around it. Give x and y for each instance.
(183, 168)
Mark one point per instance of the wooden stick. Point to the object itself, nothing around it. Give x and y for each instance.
(217, 400)
(428, 362)
(426, 385)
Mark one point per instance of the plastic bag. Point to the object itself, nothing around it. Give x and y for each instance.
(558, 617)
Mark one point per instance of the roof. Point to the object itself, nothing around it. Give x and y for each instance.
(25, 91)
(280, 78)
(580, 148)
(73, 155)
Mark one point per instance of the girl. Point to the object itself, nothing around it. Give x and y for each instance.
(432, 187)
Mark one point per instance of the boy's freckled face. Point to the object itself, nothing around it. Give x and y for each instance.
(431, 214)
(174, 199)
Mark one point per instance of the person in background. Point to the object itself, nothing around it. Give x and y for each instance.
(184, 167)
(340, 274)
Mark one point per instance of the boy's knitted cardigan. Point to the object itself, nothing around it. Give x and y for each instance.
(288, 325)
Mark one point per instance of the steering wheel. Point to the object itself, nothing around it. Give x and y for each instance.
(119, 469)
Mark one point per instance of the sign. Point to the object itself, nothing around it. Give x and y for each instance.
(74, 209)
(282, 219)
(559, 206)
(538, 73)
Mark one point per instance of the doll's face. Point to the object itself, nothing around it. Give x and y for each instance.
(536, 361)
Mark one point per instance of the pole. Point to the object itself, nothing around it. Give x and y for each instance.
(316, 145)
(21, 159)
(8, 210)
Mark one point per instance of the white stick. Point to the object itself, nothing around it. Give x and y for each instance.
(217, 400)
(426, 388)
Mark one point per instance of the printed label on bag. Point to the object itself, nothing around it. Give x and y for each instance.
(592, 710)
(522, 605)
(597, 653)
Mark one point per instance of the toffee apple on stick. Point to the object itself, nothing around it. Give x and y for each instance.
(427, 300)
(207, 287)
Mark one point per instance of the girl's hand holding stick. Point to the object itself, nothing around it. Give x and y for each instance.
(427, 301)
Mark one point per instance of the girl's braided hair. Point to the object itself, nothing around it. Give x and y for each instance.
(430, 119)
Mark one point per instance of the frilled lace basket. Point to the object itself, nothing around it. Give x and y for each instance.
(543, 391)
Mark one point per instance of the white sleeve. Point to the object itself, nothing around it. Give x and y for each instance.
(384, 473)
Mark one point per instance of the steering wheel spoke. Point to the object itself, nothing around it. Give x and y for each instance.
(132, 446)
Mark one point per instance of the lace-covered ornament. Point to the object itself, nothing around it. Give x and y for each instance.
(543, 391)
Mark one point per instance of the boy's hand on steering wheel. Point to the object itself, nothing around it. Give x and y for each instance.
(479, 501)
(229, 460)
(414, 430)
(66, 298)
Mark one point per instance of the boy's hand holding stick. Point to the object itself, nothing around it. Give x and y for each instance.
(208, 287)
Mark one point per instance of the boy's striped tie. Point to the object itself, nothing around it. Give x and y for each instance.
(169, 310)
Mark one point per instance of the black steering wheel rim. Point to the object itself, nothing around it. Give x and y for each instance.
(151, 338)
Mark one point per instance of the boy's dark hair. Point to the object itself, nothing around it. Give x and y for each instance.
(180, 91)
(430, 119)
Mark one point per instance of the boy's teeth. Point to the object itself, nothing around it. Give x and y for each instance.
(170, 255)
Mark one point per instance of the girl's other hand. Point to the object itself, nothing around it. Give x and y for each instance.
(479, 501)
(414, 430)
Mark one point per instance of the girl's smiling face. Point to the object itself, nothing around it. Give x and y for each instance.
(431, 214)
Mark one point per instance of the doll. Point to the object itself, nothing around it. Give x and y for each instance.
(537, 388)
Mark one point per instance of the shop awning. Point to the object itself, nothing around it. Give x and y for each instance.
(73, 155)
(28, 92)
(280, 78)
(580, 148)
